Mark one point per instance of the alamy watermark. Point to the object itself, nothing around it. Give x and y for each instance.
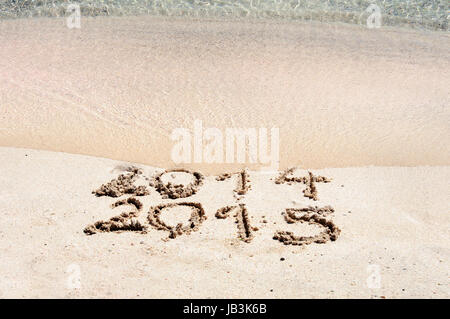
(373, 281)
(374, 20)
(73, 280)
(233, 145)
(73, 19)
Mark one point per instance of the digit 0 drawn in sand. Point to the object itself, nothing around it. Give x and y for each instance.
(245, 231)
(310, 181)
(124, 184)
(197, 217)
(311, 215)
(123, 222)
(173, 191)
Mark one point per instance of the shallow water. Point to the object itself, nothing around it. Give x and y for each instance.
(425, 14)
(341, 95)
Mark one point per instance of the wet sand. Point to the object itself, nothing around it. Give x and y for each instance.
(341, 95)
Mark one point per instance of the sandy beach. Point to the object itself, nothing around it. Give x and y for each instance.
(393, 223)
(93, 205)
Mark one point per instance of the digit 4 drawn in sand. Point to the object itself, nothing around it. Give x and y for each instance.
(310, 181)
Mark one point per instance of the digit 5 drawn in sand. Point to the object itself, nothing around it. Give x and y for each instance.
(311, 215)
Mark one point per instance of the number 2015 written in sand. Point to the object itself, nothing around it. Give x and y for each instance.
(125, 184)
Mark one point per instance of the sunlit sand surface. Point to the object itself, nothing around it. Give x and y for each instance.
(393, 240)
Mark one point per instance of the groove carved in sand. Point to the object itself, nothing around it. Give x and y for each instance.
(245, 231)
(174, 191)
(310, 182)
(123, 222)
(243, 184)
(197, 217)
(311, 215)
(123, 184)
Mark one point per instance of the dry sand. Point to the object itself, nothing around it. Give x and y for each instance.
(342, 95)
(394, 220)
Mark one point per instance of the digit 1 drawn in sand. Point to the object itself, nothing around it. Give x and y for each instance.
(124, 184)
(245, 231)
(311, 215)
(173, 191)
(122, 222)
(310, 181)
(197, 217)
(243, 184)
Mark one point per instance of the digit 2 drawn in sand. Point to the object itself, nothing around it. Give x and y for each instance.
(122, 222)
(124, 184)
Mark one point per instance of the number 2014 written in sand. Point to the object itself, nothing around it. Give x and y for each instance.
(126, 184)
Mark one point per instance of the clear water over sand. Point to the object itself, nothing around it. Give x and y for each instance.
(341, 95)
(428, 14)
